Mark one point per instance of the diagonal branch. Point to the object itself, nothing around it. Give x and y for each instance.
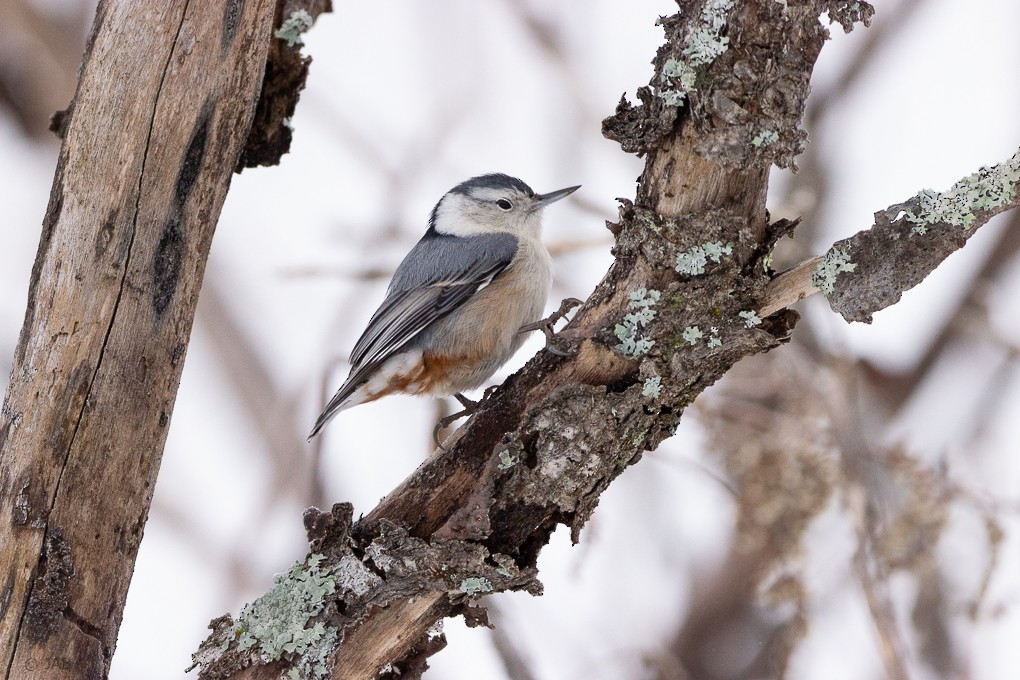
(870, 270)
(675, 312)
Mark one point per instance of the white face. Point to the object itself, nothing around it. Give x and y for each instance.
(489, 210)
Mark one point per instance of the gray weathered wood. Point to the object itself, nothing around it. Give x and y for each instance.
(163, 107)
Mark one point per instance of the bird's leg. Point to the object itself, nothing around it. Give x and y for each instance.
(469, 408)
(546, 325)
(468, 404)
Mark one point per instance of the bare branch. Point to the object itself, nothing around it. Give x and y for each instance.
(790, 287)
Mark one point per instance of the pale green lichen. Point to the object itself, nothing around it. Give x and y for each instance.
(716, 249)
(652, 387)
(629, 332)
(682, 76)
(692, 334)
(692, 262)
(313, 663)
(750, 319)
(650, 220)
(507, 460)
(765, 137)
(504, 566)
(645, 219)
(290, 30)
(705, 44)
(714, 340)
(475, 585)
(276, 624)
(643, 316)
(986, 189)
(644, 298)
(835, 261)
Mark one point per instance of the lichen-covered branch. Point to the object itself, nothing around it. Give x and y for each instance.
(870, 270)
(673, 314)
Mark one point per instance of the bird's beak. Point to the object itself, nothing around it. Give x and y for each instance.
(542, 200)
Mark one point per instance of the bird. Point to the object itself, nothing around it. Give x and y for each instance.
(457, 304)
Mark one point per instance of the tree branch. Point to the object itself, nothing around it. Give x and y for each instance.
(675, 312)
(870, 270)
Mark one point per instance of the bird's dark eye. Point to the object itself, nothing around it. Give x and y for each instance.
(504, 204)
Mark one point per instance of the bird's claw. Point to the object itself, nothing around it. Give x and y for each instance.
(546, 325)
(470, 407)
(444, 423)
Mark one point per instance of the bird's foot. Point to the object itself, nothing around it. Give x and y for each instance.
(470, 407)
(546, 325)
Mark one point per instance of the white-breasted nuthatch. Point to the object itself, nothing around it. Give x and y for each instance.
(455, 308)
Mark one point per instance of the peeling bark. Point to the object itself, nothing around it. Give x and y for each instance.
(285, 76)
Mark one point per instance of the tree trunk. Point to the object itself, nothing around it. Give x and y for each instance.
(164, 104)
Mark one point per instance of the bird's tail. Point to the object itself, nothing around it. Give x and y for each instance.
(342, 400)
(370, 382)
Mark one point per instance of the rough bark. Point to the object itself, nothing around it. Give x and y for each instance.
(163, 107)
(285, 76)
(870, 270)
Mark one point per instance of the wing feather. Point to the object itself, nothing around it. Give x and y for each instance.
(456, 269)
(439, 275)
(415, 310)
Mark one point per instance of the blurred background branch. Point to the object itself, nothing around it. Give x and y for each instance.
(40, 51)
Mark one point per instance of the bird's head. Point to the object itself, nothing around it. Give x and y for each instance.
(493, 203)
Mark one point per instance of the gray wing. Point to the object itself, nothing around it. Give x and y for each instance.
(439, 275)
